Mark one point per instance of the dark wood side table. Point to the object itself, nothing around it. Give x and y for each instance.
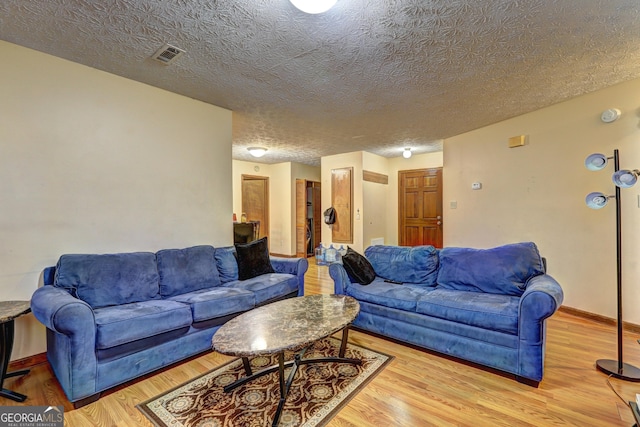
(9, 310)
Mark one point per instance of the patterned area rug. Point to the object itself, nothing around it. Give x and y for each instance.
(316, 394)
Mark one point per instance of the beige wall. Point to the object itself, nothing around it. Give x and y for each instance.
(282, 179)
(375, 198)
(537, 193)
(94, 163)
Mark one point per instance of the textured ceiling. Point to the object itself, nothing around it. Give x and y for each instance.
(374, 75)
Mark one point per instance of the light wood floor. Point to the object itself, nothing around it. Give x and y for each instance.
(417, 389)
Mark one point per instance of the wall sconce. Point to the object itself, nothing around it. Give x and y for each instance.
(313, 6)
(257, 151)
(622, 179)
(406, 153)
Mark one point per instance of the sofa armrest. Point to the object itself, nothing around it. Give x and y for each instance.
(71, 339)
(296, 266)
(59, 311)
(541, 299)
(340, 278)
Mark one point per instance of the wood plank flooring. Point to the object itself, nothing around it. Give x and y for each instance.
(417, 389)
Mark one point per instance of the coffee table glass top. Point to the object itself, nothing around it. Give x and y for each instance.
(291, 324)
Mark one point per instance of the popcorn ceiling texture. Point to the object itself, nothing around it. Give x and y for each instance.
(374, 75)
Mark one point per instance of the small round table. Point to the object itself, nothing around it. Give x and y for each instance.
(9, 310)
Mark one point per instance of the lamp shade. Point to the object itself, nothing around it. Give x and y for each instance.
(257, 151)
(625, 178)
(596, 200)
(313, 6)
(596, 162)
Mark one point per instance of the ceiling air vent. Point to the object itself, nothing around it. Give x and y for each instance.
(167, 54)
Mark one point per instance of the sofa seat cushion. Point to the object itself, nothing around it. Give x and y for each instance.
(487, 311)
(216, 302)
(402, 297)
(187, 270)
(109, 279)
(267, 286)
(417, 264)
(130, 322)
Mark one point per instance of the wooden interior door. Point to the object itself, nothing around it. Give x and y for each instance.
(308, 217)
(301, 217)
(342, 202)
(318, 220)
(420, 207)
(255, 201)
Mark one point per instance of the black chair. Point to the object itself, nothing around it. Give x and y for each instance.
(245, 232)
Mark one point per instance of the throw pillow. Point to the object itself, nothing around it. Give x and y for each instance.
(502, 270)
(358, 267)
(253, 259)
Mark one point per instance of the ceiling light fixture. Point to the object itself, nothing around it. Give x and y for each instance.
(406, 153)
(257, 151)
(313, 6)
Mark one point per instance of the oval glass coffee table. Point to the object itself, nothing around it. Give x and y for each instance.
(293, 324)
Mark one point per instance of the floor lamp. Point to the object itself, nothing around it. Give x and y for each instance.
(622, 179)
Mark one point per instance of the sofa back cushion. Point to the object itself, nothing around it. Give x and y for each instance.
(109, 279)
(227, 263)
(187, 270)
(502, 270)
(418, 264)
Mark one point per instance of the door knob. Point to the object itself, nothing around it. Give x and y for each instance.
(438, 217)
(439, 222)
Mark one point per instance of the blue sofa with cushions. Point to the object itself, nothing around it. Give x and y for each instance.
(486, 306)
(111, 318)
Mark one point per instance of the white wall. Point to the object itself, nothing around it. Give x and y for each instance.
(537, 193)
(95, 163)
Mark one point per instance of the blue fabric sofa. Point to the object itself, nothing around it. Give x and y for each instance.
(114, 317)
(486, 306)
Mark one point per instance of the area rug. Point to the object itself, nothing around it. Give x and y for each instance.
(317, 393)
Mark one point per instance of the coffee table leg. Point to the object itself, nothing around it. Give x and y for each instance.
(6, 336)
(343, 344)
(284, 388)
(247, 366)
